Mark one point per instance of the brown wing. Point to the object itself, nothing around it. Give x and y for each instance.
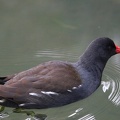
(52, 76)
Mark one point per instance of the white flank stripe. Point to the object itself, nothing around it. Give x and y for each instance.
(22, 105)
(2, 101)
(49, 93)
(69, 90)
(74, 88)
(35, 94)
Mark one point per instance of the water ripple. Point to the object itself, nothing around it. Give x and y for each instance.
(113, 83)
(56, 53)
(87, 117)
(3, 115)
(76, 111)
(115, 93)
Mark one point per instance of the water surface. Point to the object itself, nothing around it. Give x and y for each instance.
(32, 32)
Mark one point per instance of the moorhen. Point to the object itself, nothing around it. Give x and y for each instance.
(57, 83)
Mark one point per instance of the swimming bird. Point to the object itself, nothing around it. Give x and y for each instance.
(57, 83)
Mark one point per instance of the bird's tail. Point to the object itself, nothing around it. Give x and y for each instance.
(2, 80)
(7, 95)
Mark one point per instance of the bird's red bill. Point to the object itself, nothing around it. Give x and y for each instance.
(117, 49)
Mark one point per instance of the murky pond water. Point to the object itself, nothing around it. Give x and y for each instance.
(35, 31)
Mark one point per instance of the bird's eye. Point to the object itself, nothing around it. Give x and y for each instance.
(109, 47)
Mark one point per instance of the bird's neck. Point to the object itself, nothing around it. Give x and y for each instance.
(90, 70)
(92, 64)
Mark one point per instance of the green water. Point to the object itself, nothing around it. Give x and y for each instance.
(34, 31)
